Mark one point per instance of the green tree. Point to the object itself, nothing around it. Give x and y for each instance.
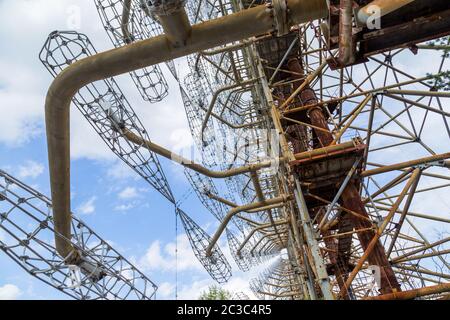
(215, 293)
(440, 81)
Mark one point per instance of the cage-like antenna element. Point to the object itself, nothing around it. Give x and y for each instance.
(234, 244)
(27, 221)
(104, 105)
(150, 81)
(216, 265)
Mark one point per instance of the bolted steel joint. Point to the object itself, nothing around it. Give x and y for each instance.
(165, 7)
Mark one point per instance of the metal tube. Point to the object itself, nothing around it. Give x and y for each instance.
(428, 246)
(346, 51)
(354, 114)
(385, 7)
(252, 168)
(415, 293)
(419, 93)
(216, 95)
(135, 56)
(220, 199)
(413, 214)
(234, 211)
(388, 185)
(252, 232)
(425, 255)
(417, 103)
(399, 224)
(323, 151)
(127, 38)
(403, 165)
(338, 194)
(305, 83)
(358, 94)
(176, 27)
(421, 270)
(190, 164)
(308, 232)
(283, 59)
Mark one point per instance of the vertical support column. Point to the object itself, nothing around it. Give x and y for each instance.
(350, 197)
(296, 223)
(321, 271)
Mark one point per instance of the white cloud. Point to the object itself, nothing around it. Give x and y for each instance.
(23, 121)
(23, 80)
(30, 169)
(193, 290)
(87, 207)
(85, 142)
(128, 193)
(166, 289)
(163, 258)
(9, 292)
(120, 171)
(124, 207)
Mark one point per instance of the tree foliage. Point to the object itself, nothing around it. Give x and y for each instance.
(441, 81)
(215, 293)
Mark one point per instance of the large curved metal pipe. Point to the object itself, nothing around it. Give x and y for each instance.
(213, 33)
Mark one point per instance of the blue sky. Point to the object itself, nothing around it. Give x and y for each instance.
(112, 200)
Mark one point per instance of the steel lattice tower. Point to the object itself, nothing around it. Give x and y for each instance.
(321, 142)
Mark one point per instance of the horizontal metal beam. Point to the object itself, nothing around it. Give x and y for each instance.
(406, 164)
(411, 294)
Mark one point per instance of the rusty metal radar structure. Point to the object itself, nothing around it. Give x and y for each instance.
(322, 139)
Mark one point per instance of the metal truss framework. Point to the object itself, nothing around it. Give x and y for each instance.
(277, 283)
(26, 220)
(106, 108)
(235, 94)
(353, 152)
